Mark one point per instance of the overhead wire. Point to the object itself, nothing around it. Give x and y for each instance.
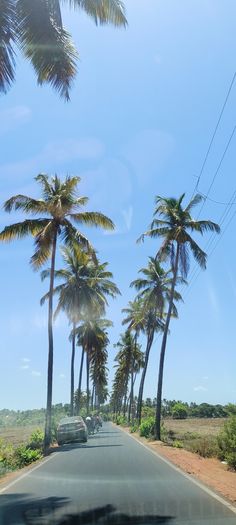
(214, 134)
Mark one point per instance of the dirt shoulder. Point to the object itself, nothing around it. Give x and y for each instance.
(209, 471)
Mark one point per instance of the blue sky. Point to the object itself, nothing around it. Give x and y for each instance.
(142, 112)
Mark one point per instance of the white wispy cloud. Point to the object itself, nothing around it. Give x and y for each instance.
(12, 117)
(128, 216)
(24, 367)
(54, 155)
(200, 388)
(62, 376)
(36, 373)
(213, 299)
(25, 359)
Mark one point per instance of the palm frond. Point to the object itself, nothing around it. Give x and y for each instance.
(102, 11)
(93, 218)
(199, 255)
(26, 204)
(46, 44)
(73, 237)
(7, 39)
(194, 202)
(22, 229)
(203, 226)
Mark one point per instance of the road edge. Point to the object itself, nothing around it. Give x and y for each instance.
(31, 468)
(191, 478)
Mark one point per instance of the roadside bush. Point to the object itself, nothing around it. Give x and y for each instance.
(177, 444)
(121, 420)
(205, 446)
(24, 455)
(179, 411)
(147, 427)
(227, 443)
(36, 439)
(134, 428)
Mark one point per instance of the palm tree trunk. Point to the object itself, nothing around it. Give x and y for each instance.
(72, 382)
(80, 379)
(93, 398)
(48, 420)
(157, 428)
(143, 376)
(131, 399)
(87, 379)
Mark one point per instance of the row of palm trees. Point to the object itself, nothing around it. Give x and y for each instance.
(157, 295)
(85, 283)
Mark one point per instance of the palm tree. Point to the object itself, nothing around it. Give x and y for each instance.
(36, 28)
(86, 285)
(98, 371)
(61, 207)
(154, 290)
(127, 358)
(91, 336)
(137, 363)
(172, 222)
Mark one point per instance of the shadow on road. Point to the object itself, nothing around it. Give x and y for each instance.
(72, 446)
(23, 509)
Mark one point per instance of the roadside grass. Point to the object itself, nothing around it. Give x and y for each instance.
(17, 435)
(19, 447)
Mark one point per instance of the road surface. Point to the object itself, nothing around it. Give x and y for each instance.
(112, 479)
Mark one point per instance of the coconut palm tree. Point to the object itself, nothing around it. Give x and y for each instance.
(37, 29)
(128, 359)
(86, 285)
(174, 224)
(154, 290)
(60, 207)
(98, 372)
(91, 335)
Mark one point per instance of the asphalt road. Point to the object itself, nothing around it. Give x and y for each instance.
(112, 480)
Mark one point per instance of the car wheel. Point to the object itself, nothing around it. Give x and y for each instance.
(60, 443)
(85, 440)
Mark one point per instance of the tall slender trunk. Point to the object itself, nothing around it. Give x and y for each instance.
(72, 380)
(143, 376)
(157, 428)
(80, 379)
(131, 398)
(48, 419)
(93, 398)
(87, 380)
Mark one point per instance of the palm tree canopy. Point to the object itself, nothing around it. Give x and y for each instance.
(154, 290)
(36, 28)
(173, 222)
(61, 206)
(86, 284)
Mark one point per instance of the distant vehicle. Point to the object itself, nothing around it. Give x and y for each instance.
(71, 429)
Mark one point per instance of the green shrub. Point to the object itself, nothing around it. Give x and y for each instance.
(177, 444)
(164, 433)
(134, 428)
(147, 427)
(205, 446)
(227, 442)
(24, 455)
(121, 420)
(36, 439)
(179, 411)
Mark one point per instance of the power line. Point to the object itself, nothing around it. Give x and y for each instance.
(196, 271)
(218, 169)
(214, 134)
